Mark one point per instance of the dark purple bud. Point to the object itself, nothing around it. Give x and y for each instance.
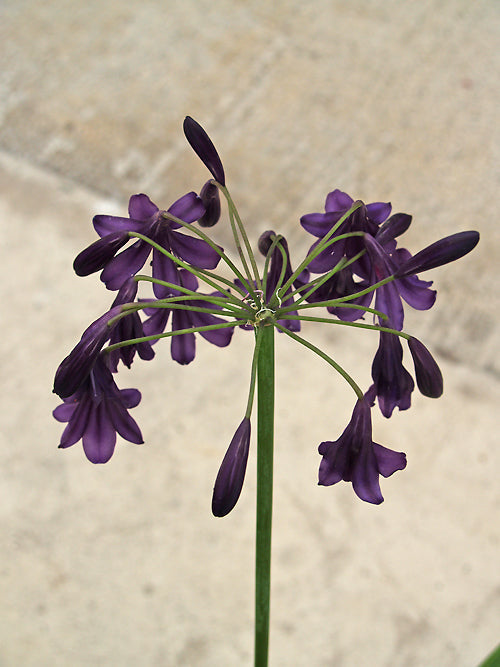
(96, 256)
(76, 367)
(265, 241)
(429, 378)
(204, 148)
(209, 195)
(231, 474)
(441, 252)
(396, 225)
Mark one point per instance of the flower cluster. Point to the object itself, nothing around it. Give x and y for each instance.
(354, 269)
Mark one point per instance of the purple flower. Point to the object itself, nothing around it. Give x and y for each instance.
(96, 412)
(75, 368)
(441, 252)
(355, 458)
(366, 219)
(231, 474)
(393, 384)
(147, 219)
(204, 149)
(183, 346)
(429, 378)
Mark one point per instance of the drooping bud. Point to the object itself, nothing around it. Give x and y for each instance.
(231, 474)
(427, 372)
(75, 368)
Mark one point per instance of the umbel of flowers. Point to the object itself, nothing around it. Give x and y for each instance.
(354, 274)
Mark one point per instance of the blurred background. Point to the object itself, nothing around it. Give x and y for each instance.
(124, 564)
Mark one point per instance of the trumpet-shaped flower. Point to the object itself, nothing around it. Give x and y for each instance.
(355, 458)
(96, 412)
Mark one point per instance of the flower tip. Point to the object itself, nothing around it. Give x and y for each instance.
(203, 147)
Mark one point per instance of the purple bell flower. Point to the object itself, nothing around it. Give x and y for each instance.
(231, 473)
(96, 412)
(355, 458)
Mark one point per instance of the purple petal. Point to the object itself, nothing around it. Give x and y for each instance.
(365, 480)
(231, 473)
(194, 251)
(109, 224)
(188, 208)
(130, 397)
(99, 438)
(65, 411)
(388, 461)
(125, 265)
(140, 207)
(77, 425)
(319, 224)
(204, 148)
(379, 211)
(338, 201)
(123, 423)
(183, 346)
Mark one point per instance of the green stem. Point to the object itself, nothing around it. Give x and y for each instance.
(265, 435)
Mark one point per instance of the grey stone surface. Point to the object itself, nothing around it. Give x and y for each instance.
(123, 564)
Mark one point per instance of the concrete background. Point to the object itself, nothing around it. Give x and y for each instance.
(123, 564)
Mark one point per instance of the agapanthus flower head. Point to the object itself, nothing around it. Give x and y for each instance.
(204, 148)
(355, 458)
(96, 412)
(231, 473)
(75, 368)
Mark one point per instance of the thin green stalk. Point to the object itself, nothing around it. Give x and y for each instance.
(265, 439)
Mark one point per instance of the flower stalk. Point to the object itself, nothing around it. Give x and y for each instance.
(265, 447)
